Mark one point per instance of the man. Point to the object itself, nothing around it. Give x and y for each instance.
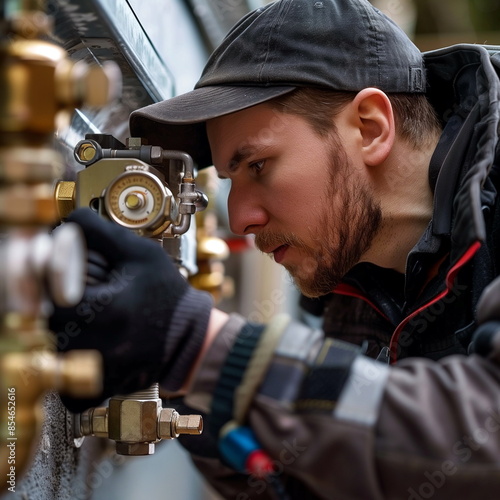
(368, 172)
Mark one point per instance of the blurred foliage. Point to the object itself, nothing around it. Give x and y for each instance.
(485, 14)
(453, 16)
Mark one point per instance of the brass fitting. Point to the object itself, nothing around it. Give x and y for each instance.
(34, 372)
(93, 422)
(137, 422)
(29, 165)
(30, 20)
(27, 204)
(41, 86)
(133, 420)
(171, 424)
(211, 250)
(28, 375)
(65, 198)
(86, 151)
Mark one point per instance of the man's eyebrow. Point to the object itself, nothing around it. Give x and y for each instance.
(238, 157)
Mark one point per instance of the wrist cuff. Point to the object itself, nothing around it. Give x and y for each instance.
(185, 337)
(244, 371)
(231, 375)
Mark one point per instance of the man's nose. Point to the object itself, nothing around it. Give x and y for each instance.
(246, 212)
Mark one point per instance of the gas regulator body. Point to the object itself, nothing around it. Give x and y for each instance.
(144, 188)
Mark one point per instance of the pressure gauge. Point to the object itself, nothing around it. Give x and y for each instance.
(138, 200)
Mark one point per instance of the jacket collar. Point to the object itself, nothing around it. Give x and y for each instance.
(464, 89)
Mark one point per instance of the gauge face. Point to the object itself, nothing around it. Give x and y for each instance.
(136, 200)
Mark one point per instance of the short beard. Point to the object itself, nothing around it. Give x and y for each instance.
(342, 236)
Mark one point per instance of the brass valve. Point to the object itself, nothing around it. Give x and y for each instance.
(136, 422)
(29, 369)
(72, 373)
(41, 87)
(44, 86)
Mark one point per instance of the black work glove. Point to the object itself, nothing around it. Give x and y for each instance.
(486, 339)
(137, 310)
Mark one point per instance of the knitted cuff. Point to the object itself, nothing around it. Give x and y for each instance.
(232, 374)
(185, 337)
(244, 370)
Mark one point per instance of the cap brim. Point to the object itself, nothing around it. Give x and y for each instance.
(179, 123)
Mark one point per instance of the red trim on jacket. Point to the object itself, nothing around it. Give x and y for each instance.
(450, 278)
(351, 291)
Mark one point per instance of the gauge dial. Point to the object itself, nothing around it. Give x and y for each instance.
(137, 200)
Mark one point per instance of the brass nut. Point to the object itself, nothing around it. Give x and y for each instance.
(100, 422)
(207, 281)
(92, 422)
(211, 247)
(135, 449)
(133, 420)
(30, 72)
(99, 86)
(65, 198)
(86, 151)
(166, 423)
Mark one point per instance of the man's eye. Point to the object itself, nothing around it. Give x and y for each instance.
(257, 166)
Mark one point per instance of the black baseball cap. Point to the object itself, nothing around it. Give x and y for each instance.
(332, 44)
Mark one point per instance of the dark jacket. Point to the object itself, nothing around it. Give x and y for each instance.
(431, 311)
(339, 425)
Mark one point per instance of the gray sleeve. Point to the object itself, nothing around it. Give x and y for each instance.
(436, 435)
(438, 430)
(419, 430)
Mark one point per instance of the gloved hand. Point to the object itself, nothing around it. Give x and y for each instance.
(137, 310)
(486, 339)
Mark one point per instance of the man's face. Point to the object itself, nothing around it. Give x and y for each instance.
(297, 192)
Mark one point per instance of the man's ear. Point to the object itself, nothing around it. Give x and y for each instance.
(375, 119)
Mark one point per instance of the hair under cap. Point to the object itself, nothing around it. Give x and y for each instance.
(332, 44)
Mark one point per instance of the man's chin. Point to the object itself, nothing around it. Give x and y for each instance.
(315, 284)
(311, 295)
(311, 287)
